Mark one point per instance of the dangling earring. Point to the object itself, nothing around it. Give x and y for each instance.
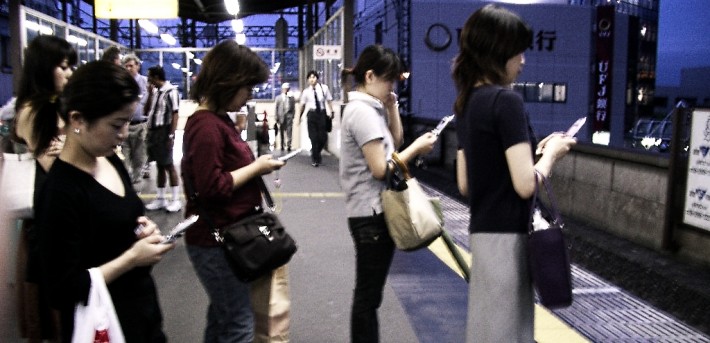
(77, 131)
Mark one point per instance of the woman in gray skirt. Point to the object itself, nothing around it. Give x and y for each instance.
(496, 171)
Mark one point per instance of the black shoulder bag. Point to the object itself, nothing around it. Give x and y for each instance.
(254, 245)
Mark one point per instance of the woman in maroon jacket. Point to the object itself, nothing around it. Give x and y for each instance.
(221, 168)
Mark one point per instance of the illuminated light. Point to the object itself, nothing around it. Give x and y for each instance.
(130, 9)
(643, 31)
(197, 61)
(649, 142)
(184, 69)
(76, 40)
(241, 38)
(405, 75)
(190, 55)
(148, 26)
(176, 65)
(168, 38)
(601, 137)
(45, 30)
(276, 67)
(232, 6)
(238, 25)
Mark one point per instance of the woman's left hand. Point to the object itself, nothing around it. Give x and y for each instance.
(391, 100)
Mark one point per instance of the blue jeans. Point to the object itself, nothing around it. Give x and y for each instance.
(374, 250)
(229, 315)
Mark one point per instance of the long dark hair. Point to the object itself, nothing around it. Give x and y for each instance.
(489, 38)
(384, 62)
(226, 68)
(37, 86)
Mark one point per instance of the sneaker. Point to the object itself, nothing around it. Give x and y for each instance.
(174, 206)
(156, 204)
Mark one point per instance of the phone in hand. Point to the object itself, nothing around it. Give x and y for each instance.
(288, 156)
(572, 131)
(442, 124)
(179, 229)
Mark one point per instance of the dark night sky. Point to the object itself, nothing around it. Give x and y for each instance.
(683, 38)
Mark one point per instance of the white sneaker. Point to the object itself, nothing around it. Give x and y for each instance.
(156, 204)
(174, 206)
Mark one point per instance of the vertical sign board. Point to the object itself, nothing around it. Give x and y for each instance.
(602, 68)
(697, 196)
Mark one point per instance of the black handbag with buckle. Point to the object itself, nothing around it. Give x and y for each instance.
(253, 245)
(256, 245)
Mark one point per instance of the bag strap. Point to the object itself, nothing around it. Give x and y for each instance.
(193, 195)
(552, 209)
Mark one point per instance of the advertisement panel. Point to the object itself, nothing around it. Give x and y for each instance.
(697, 198)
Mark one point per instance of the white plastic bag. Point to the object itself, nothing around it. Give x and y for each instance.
(97, 321)
(17, 184)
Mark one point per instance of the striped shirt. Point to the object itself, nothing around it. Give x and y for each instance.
(166, 101)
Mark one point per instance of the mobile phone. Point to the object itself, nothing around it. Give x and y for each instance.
(572, 131)
(288, 156)
(442, 124)
(179, 229)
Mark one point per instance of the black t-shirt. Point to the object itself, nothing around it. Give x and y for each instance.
(493, 120)
(83, 225)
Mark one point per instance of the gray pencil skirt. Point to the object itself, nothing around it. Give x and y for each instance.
(500, 301)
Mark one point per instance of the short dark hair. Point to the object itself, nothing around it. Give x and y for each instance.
(157, 71)
(312, 72)
(384, 62)
(98, 89)
(111, 54)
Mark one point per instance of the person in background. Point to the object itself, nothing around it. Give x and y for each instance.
(88, 214)
(222, 170)
(313, 100)
(133, 147)
(112, 54)
(162, 111)
(47, 67)
(496, 171)
(371, 131)
(285, 109)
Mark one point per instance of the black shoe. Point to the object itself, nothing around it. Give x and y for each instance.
(314, 164)
(288, 149)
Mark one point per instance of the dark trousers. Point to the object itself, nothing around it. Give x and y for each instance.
(285, 127)
(374, 250)
(317, 133)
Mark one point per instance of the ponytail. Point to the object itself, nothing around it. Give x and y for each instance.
(344, 75)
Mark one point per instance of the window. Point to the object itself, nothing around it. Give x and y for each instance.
(542, 91)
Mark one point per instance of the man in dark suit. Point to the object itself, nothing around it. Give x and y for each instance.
(285, 109)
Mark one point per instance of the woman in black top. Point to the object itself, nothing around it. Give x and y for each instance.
(88, 213)
(496, 171)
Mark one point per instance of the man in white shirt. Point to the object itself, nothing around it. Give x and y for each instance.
(313, 100)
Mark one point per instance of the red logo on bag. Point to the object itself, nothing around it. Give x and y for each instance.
(101, 336)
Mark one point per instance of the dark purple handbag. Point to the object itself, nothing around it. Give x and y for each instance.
(548, 255)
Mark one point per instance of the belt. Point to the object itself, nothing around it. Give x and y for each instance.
(136, 122)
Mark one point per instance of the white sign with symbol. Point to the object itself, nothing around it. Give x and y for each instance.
(327, 52)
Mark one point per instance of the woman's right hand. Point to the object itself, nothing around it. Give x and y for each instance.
(425, 143)
(267, 164)
(149, 251)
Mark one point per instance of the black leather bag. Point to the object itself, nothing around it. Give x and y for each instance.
(256, 245)
(328, 122)
(548, 256)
